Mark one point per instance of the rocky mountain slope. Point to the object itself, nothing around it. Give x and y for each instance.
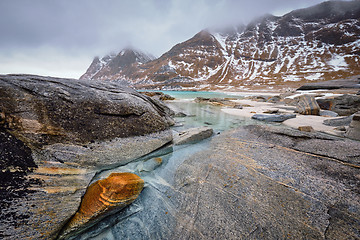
(120, 66)
(313, 44)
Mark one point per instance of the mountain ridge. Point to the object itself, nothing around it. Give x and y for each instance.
(312, 44)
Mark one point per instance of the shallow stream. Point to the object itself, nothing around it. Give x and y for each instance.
(151, 215)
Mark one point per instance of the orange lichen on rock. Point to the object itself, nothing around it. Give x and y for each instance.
(103, 198)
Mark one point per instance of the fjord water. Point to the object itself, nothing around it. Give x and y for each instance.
(151, 216)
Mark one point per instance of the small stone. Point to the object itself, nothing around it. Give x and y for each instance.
(306, 129)
(271, 111)
(180, 114)
(274, 99)
(238, 106)
(341, 128)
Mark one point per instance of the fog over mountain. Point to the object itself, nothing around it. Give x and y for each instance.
(60, 38)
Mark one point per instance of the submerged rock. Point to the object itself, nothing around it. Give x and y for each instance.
(103, 198)
(307, 105)
(273, 117)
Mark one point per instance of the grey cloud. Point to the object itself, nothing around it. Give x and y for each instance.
(81, 29)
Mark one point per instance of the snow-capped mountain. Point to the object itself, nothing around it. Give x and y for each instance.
(117, 67)
(313, 44)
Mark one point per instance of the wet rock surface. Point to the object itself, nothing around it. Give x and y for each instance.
(56, 134)
(255, 182)
(103, 198)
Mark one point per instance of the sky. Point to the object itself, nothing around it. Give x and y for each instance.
(61, 37)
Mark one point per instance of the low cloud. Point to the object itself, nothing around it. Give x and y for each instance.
(61, 37)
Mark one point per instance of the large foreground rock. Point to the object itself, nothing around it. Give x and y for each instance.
(56, 134)
(44, 110)
(254, 182)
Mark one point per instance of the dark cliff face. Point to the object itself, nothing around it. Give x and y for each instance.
(16, 163)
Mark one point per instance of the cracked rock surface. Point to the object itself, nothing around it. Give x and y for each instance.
(254, 182)
(266, 183)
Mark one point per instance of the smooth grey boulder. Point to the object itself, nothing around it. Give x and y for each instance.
(273, 117)
(336, 122)
(56, 134)
(193, 135)
(328, 113)
(45, 110)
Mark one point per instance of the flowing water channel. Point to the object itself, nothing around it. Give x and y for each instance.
(151, 216)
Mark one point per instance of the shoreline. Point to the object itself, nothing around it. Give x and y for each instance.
(252, 107)
(316, 122)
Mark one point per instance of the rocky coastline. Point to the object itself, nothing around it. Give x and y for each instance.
(73, 153)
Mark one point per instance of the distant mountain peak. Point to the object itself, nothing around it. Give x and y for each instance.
(114, 64)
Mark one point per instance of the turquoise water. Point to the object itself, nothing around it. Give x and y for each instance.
(147, 217)
(194, 94)
(199, 114)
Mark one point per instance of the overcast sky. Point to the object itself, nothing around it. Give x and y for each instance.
(61, 37)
